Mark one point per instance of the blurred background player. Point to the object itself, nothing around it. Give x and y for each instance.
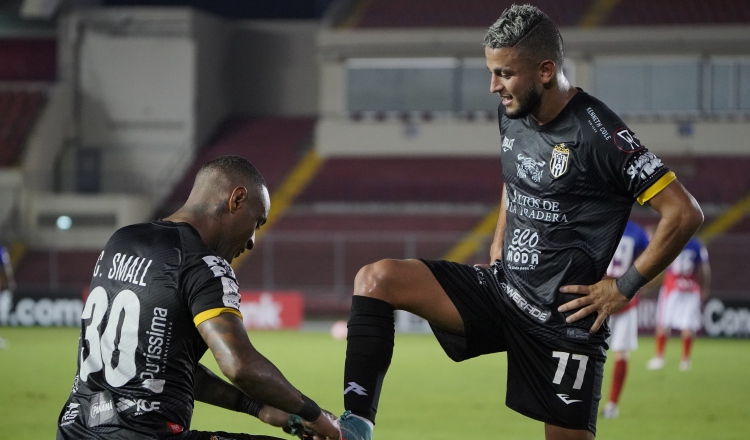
(7, 282)
(623, 324)
(685, 288)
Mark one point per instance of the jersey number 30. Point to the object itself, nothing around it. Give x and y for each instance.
(113, 350)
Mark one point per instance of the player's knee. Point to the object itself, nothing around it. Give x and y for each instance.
(375, 280)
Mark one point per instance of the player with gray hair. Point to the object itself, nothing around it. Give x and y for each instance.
(572, 171)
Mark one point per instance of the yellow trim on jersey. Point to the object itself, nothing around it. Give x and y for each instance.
(656, 187)
(212, 313)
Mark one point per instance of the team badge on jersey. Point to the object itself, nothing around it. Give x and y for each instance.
(558, 165)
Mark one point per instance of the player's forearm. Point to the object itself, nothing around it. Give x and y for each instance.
(249, 370)
(680, 219)
(213, 390)
(496, 249)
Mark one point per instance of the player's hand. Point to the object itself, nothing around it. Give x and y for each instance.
(603, 298)
(273, 416)
(326, 426)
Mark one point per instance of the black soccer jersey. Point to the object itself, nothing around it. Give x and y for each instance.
(570, 184)
(139, 346)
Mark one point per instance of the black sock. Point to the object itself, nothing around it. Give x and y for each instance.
(369, 350)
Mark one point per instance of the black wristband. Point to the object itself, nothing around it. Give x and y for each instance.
(248, 405)
(630, 282)
(310, 410)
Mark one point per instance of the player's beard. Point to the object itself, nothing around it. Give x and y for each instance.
(526, 104)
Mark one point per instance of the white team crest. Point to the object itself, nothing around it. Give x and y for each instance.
(558, 165)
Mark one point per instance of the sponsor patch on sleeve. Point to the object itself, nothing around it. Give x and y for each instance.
(220, 268)
(626, 141)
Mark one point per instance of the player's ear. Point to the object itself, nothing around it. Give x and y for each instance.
(237, 199)
(547, 71)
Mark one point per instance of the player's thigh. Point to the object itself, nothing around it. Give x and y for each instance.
(409, 285)
(554, 380)
(552, 432)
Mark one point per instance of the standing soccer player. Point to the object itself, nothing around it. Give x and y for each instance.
(7, 282)
(623, 324)
(162, 293)
(684, 289)
(572, 171)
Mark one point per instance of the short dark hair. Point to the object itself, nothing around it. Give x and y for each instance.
(530, 31)
(232, 166)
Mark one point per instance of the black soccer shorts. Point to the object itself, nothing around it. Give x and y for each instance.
(551, 378)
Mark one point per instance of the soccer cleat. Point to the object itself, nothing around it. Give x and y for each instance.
(656, 363)
(684, 365)
(611, 411)
(354, 428)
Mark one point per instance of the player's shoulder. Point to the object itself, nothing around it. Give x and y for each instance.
(601, 126)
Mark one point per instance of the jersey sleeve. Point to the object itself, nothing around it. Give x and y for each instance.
(627, 167)
(211, 288)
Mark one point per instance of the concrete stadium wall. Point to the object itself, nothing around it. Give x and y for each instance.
(337, 135)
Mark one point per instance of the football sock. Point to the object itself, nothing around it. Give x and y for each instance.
(369, 350)
(686, 345)
(661, 340)
(618, 380)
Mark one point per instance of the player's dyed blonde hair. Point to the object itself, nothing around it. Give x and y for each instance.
(530, 31)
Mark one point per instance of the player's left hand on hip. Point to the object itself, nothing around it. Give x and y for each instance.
(603, 298)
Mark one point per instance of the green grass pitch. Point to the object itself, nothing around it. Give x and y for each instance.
(426, 396)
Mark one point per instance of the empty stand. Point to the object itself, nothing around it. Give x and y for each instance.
(273, 144)
(72, 269)
(482, 13)
(28, 59)
(461, 180)
(358, 211)
(712, 179)
(18, 110)
(453, 13)
(678, 12)
(727, 255)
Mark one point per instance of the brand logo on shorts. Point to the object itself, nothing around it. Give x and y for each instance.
(71, 412)
(141, 406)
(480, 276)
(577, 333)
(564, 398)
(102, 409)
(558, 165)
(535, 312)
